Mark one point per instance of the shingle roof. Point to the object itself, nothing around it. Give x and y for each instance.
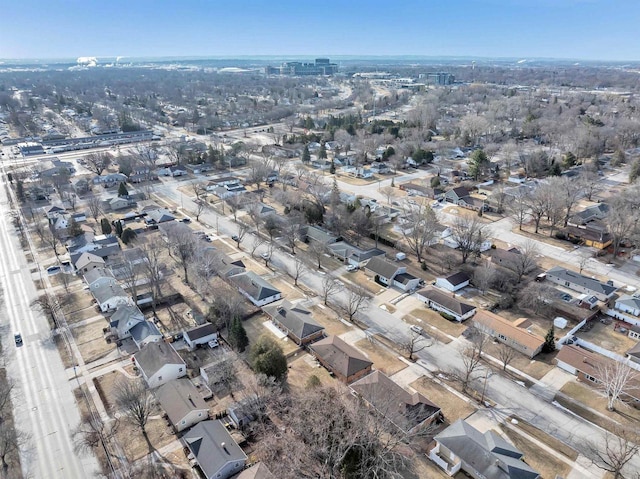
(382, 267)
(154, 356)
(123, 314)
(201, 331)
(143, 330)
(483, 452)
(257, 471)
(501, 326)
(254, 285)
(87, 258)
(294, 318)
(178, 398)
(584, 281)
(97, 273)
(630, 301)
(103, 293)
(458, 278)
(405, 410)
(341, 357)
(213, 446)
(446, 301)
(634, 351)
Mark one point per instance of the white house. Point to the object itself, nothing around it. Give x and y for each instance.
(445, 303)
(255, 289)
(125, 318)
(98, 277)
(627, 308)
(88, 261)
(159, 363)
(182, 403)
(200, 335)
(392, 273)
(454, 282)
(110, 296)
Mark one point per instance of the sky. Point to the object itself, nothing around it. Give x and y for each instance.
(564, 29)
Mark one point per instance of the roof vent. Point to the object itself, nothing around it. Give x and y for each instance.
(224, 446)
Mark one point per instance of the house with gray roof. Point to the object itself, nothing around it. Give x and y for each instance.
(352, 254)
(182, 403)
(159, 363)
(296, 321)
(589, 214)
(318, 235)
(145, 332)
(217, 455)
(257, 290)
(486, 455)
(88, 261)
(446, 303)
(160, 215)
(341, 359)
(200, 335)
(110, 296)
(580, 283)
(391, 273)
(99, 277)
(627, 308)
(125, 318)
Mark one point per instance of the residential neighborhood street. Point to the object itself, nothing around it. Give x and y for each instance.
(45, 409)
(510, 397)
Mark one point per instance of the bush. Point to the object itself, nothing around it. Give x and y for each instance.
(506, 301)
(446, 316)
(267, 358)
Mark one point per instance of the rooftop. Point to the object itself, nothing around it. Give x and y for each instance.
(154, 356)
(213, 446)
(178, 398)
(340, 356)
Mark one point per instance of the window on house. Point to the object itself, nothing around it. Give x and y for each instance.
(590, 378)
(502, 336)
(566, 283)
(180, 370)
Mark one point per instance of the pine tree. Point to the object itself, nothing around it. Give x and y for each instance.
(74, 228)
(306, 156)
(128, 235)
(322, 154)
(238, 336)
(118, 227)
(549, 341)
(105, 226)
(122, 190)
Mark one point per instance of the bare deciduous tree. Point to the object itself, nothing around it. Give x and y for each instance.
(134, 400)
(95, 207)
(422, 225)
(298, 271)
(330, 287)
(182, 246)
(357, 301)
(92, 433)
(612, 452)
(469, 233)
(48, 305)
(471, 356)
(98, 162)
(152, 268)
(483, 276)
(615, 378)
(201, 198)
(414, 344)
(505, 354)
(524, 261)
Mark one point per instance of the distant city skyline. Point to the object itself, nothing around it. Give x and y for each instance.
(563, 29)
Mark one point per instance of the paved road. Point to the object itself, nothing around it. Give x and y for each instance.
(44, 406)
(510, 396)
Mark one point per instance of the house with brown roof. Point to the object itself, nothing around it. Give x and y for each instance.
(182, 403)
(446, 303)
(342, 360)
(454, 282)
(587, 366)
(296, 321)
(406, 411)
(515, 334)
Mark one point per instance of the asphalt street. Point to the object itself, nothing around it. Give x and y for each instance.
(45, 409)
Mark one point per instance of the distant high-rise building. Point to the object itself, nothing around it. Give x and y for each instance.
(440, 78)
(321, 66)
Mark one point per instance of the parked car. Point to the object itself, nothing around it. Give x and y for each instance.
(352, 267)
(417, 329)
(235, 238)
(18, 339)
(53, 269)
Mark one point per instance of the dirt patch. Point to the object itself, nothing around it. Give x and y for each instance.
(285, 285)
(361, 279)
(609, 337)
(383, 360)
(302, 368)
(452, 406)
(174, 318)
(536, 368)
(91, 342)
(547, 465)
(67, 359)
(432, 318)
(329, 319)
(132, 442)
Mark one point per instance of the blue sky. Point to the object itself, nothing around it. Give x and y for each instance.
(580, 29)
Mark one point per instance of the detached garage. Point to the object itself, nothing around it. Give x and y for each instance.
(200, 335)
(454, 282)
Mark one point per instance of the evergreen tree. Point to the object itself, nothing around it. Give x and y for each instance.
(549, 341)
(332, 169)
(128, 235)
(634, 172)
(267, 358)
(105, 226)
(478, 164)
(555, 169)
(118, 228)
(122, 190)
(322, 154)
(238, 336)
(306, 156)
(74, 228)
